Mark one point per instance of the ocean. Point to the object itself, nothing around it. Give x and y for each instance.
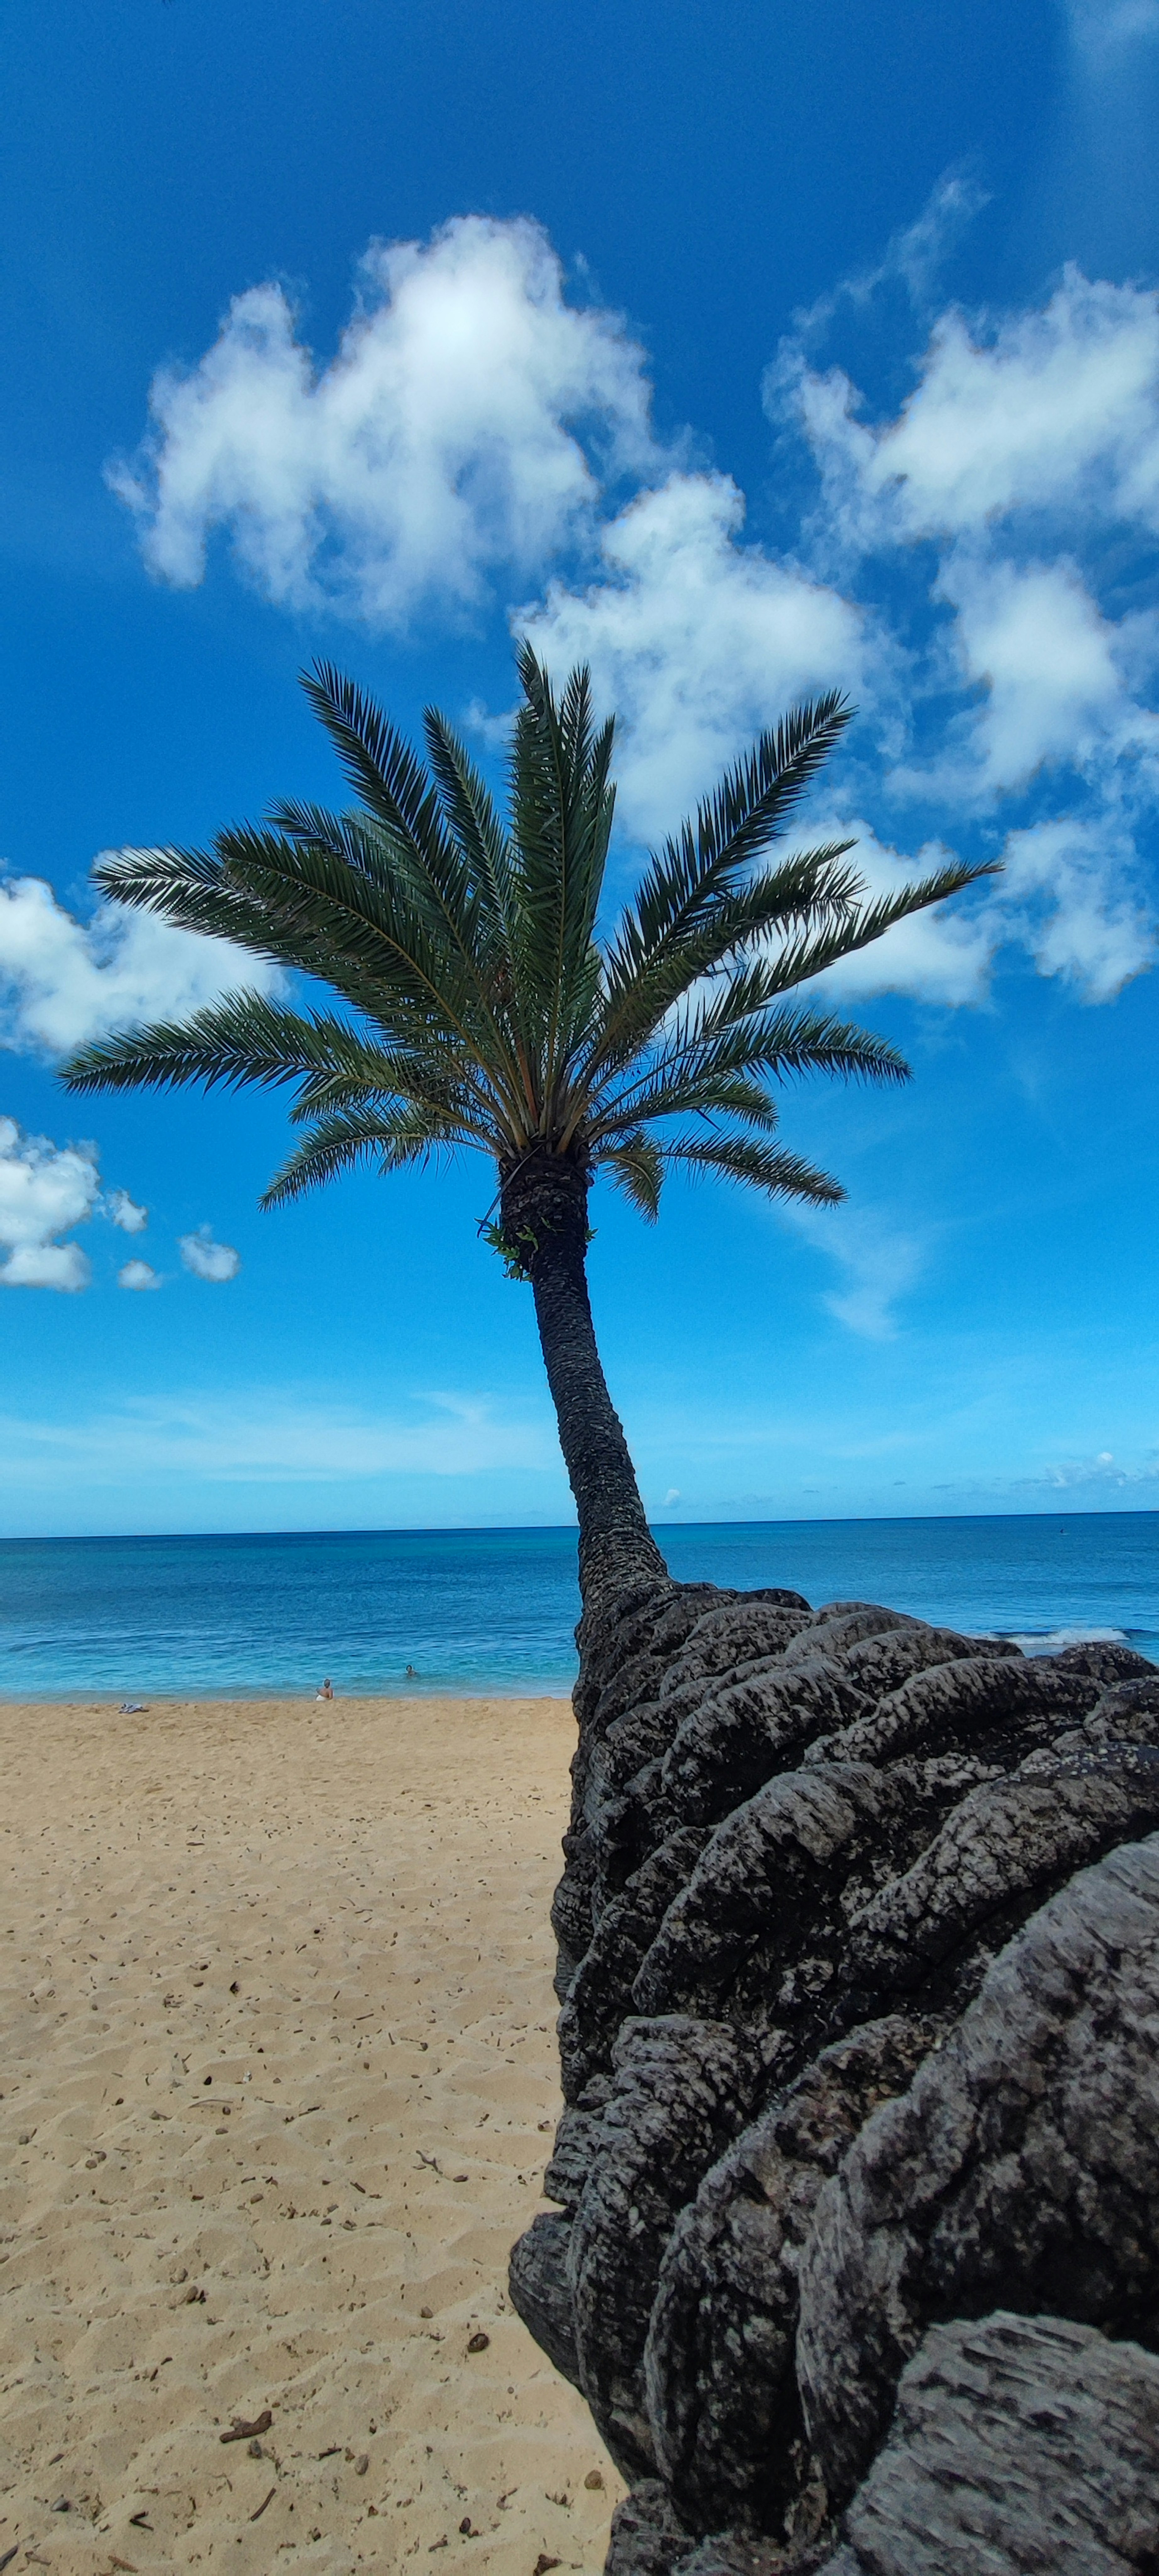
(493, 1610)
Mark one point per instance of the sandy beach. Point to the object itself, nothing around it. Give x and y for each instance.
(277, 2081)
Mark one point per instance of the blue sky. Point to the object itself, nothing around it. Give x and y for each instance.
(741, 350)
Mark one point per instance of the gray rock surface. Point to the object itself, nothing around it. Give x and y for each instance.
(820, 1877)
(1018, 2443)
(681, 2088)
(1020, 2169)
(719, 2364)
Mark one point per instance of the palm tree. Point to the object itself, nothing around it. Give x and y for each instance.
(481, 1008)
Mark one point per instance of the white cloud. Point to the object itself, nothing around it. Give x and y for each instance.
(470, 423)
(63, 981)
(1051, 667)
(939, 956)
(44, 1189)
(46, 1265)
(696, 640)
(125, 1213)
(465, 422)
(1029, 442)
(1070, 898)
(207, 1259)
(138, 1274)
(1104, 1469)
(274, 1433)
(1078, 909)
(1053, 408)
(880, 1261)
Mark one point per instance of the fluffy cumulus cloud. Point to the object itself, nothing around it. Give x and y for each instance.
(124, 1212)
(997, 501)
(45, 1190)
(956, 565)
(696, 639)
(1045, 409)
(467, 421)
(1080, 904)
(1049, 667)
(63, 981)
(940, 956)
(206, 1259)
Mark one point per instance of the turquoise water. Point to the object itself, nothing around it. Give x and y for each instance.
(493, 1610)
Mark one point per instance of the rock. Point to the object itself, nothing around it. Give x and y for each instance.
(601, 1994)
(1127, 1713)
(741, 1631)
(1021, 2167)
(751, 1729)
(681, 2089)
(797, 1843)
(1105, 1662)
(763, 1902)
(646, 2538)
(993, 1706)
(1003, 1850)
(719, 2364)
(540, 2287)
(576, 2143)
(1019, 2443)
(736, 2553)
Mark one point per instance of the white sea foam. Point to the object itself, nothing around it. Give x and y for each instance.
(1036, 1642)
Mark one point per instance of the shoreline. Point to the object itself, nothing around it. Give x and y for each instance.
(279, 2081)
(297, 1702)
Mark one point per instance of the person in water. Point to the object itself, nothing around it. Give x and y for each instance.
(326, 1692)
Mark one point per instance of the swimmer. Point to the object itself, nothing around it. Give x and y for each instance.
(326, 1692)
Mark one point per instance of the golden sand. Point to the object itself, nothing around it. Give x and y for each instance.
(276, 2084)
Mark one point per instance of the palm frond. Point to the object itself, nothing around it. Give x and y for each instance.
(810, 893)
(245, 1038)
(749, 808)
(562, 805)
(471, 816)
(391, 1139)
(801, 959)
(636, 1164)
(762, 1167)
(483, 1011)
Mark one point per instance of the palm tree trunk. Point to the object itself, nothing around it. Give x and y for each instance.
(544, 1212)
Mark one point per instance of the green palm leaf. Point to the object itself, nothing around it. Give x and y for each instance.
(475, 1004)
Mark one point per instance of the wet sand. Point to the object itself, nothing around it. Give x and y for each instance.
(277, 2080)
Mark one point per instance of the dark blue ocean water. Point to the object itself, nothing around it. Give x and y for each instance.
(493, 1610)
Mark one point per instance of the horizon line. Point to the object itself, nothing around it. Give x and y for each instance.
(563, 1529)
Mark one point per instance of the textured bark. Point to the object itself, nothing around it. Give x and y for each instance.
(1005, 1849)
(680, 2089)
(719, 2365)
(541, 2290)
(600, 1997)
(1021, 2168)
(544, 1214)
(798, 1842)
(1019, 2443)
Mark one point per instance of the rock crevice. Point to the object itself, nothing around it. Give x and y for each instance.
(858, 2183)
